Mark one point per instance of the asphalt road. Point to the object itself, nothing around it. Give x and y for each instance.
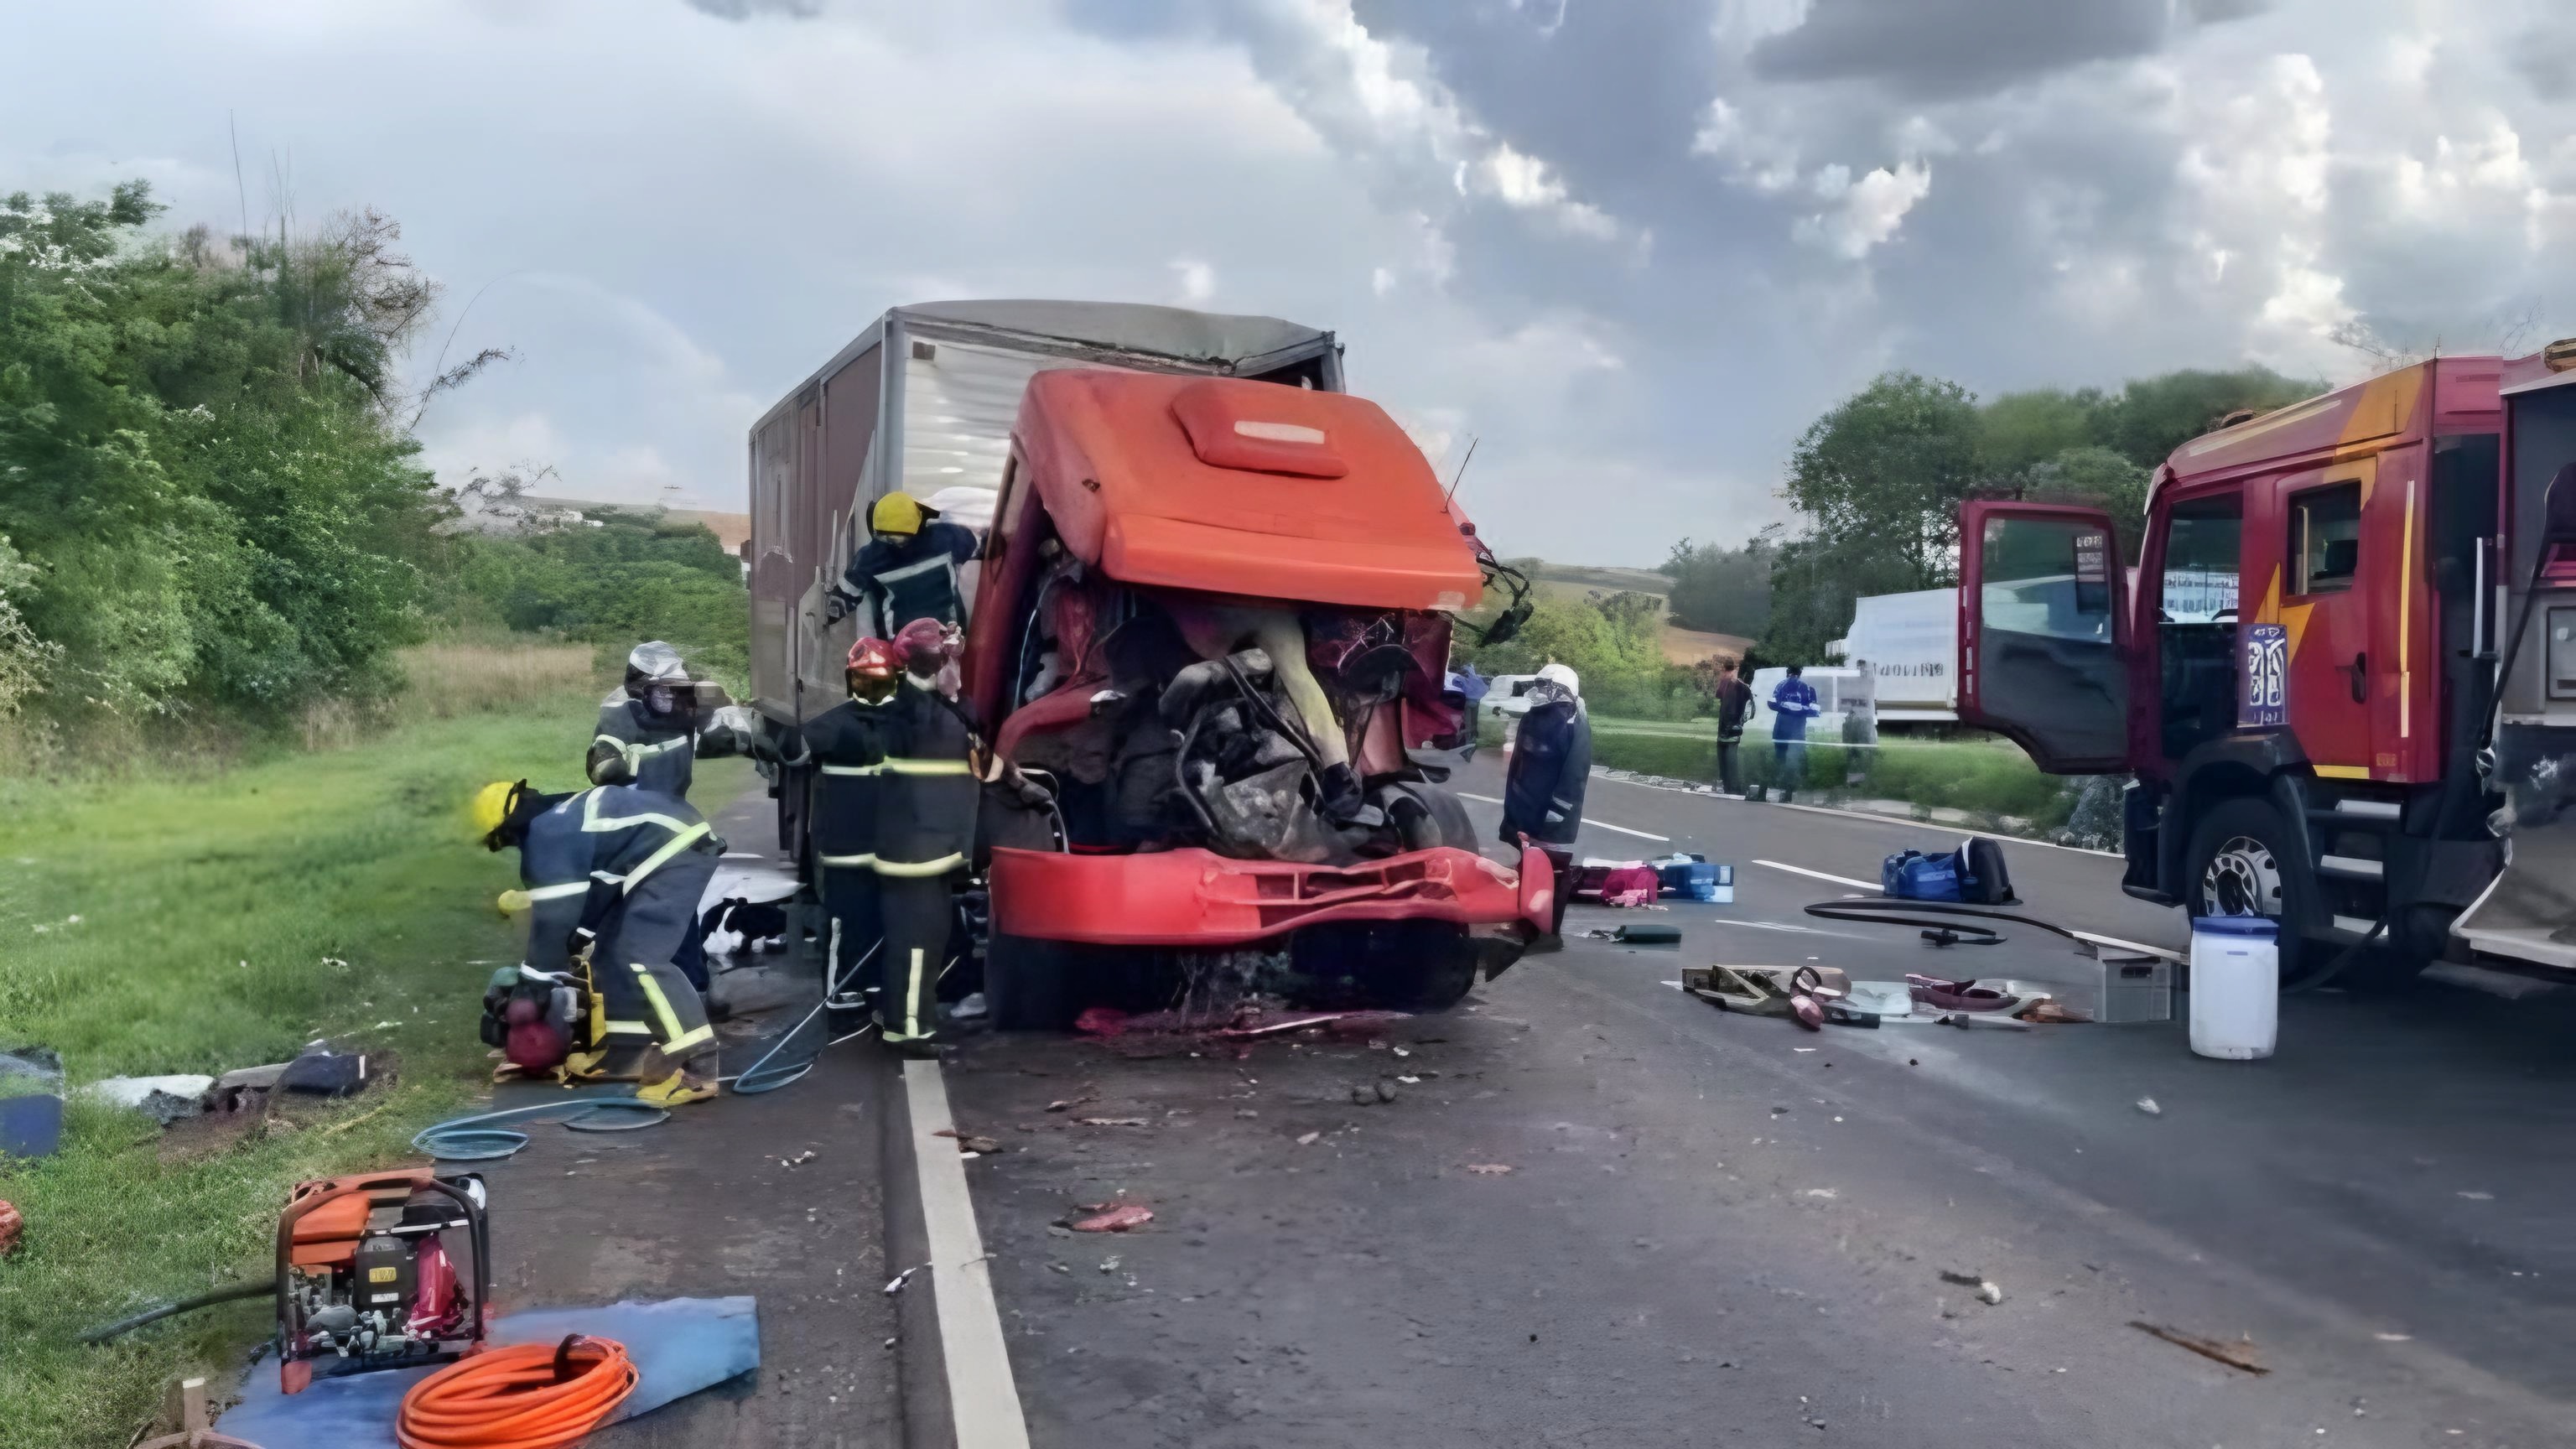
(1719, 1229)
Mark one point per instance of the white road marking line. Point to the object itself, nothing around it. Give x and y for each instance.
(983, 1399)
(1868, 815)
(1604, 824)
(1867, 885)
(1872, 886)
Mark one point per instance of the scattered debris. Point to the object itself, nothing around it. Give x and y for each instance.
(1826, 1193)
(2148, 1106)
(1489, 1169)
(1118, 1219)
(905, 1277)
(809, 1154)
(1308, 1140)
(2394, 1337)
(1110, 1263)
(2050, 1012)
(1062, 1103)
(1112, 1122)
(2238, 1355)
(324, 1072)
(2479, 1196)
(164, 1099)
(967, 1142)
(12, 1227)
(1987, 1021)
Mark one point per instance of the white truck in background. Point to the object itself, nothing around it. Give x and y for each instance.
(1912, 642)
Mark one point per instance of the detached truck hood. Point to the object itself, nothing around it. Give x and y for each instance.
(1244, 488)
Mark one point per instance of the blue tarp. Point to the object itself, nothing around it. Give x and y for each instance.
(679, 1346)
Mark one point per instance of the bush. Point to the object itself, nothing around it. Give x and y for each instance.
(637, 575)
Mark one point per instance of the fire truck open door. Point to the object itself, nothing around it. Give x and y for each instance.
(2043, 637)
(2529, 912)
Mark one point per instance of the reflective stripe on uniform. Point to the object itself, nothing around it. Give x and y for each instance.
(558, 892)
(672, 1031)
(912, 996)
(927, 767)
(847, 862)
(909, 870)
(852, 769)
(593, 822)
(671, 847)
(626, 1028)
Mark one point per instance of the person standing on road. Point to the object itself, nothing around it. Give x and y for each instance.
(652, 727)
(1551, 761)
(926, 805)
(1793, 703)
(622, 871)
(845, 747)
(907, 571)
(1734, 709)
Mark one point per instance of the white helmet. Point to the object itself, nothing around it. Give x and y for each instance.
(1563, 678)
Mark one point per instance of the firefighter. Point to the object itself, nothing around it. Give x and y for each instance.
(908, 570)
(652, 728)
(621, 870)
(845, 746)
(926, 804)
(1551, 762)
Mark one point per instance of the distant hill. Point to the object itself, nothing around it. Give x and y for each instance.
(1581, 582)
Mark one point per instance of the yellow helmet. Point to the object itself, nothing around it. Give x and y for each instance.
(491, 806)
(898, 513)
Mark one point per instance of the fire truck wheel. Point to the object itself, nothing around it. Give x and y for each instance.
(2243, 861)
(1028, 983)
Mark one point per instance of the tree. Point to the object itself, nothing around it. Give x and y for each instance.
(1885, 471)
(2100, 478)
(2152, 416)
(2021, 430)
(1722, 590)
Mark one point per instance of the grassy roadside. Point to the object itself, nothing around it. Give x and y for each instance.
(225, 918)
(1994, 783)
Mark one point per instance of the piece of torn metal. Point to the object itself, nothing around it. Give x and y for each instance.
(2238, 1355)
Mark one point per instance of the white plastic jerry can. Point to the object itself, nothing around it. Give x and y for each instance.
(2235, 987)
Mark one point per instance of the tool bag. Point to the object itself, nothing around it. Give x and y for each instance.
(1974, 874)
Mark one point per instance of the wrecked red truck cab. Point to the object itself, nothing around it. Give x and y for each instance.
(1204, 603)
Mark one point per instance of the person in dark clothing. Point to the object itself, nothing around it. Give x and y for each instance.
(652, 727)
(907, 571)
(926, 804)
(845, 747)
(1734, 710)
(620, 870)
(1551, 763)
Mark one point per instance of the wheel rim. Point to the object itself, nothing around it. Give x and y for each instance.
(2243, 878)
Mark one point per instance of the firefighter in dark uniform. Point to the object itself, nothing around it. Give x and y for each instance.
(908, 569)
(652, 728)
(845, 747)
(623, 870)
(926, 802)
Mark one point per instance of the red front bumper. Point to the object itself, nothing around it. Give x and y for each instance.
(1199, 898)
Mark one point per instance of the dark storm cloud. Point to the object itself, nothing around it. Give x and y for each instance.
(1945, 48)
(2546, 56)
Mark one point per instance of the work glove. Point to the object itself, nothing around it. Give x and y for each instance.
(836, 607)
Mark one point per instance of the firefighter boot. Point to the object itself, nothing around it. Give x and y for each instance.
(668, 1084)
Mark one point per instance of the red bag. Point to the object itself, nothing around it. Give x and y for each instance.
(1630, 885)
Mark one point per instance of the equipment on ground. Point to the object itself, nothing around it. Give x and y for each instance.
(2235, 987)
(525, 1396)
(365, 1279)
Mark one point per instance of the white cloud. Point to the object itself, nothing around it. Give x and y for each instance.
(1194, 279)
(1864, 213)
(1382, 280)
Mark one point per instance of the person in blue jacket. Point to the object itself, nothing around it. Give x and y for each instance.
(1793, 703)
(622, 871)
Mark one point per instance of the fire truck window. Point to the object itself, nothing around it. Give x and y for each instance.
(2196, 621)
(2325, 539)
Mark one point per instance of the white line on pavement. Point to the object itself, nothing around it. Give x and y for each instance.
(1868, 815)
(1604, 824)
(1872, 886)
(983, 1399)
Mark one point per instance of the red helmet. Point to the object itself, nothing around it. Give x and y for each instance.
(926, 644)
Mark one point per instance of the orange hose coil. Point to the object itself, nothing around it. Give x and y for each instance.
(527, 1396)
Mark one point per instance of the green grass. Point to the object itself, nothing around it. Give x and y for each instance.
(225, 919)
(1988, 779)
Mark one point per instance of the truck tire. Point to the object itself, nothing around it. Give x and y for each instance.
(1412, 965)
(2243, 860)
(1028, 983)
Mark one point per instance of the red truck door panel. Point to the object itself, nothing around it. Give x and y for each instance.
(2043, 656)
(2327, 580)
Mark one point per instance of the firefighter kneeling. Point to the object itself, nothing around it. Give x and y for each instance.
(620, 871)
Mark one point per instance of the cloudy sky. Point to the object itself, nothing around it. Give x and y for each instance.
(1632, 245)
